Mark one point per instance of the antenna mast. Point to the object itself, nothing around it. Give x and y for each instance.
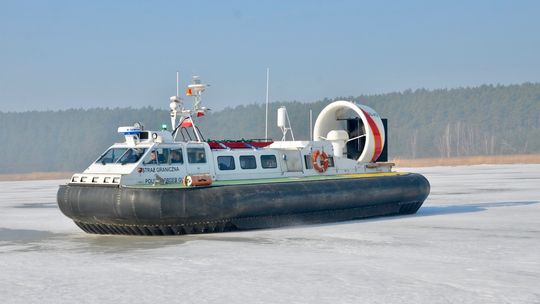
(175, 106)
(266, 120)
(311, 124)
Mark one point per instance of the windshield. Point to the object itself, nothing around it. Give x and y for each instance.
(121, 155)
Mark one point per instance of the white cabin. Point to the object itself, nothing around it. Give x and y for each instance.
(349, 139)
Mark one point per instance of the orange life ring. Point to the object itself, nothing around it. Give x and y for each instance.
(319, 161)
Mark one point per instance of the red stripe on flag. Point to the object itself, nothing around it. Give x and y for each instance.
(376, 135)
(187, 123)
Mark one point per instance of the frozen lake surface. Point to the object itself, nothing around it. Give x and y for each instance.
(475, 240)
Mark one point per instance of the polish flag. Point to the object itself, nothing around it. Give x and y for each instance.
(187, 123)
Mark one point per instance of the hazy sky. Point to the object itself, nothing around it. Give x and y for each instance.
(71, 54)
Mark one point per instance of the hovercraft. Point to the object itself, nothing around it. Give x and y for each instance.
(175, 182)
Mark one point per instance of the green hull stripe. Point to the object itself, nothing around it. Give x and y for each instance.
(222, 183)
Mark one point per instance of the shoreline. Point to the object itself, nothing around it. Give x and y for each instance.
(406, 163)
(469, 160)
(11, 177)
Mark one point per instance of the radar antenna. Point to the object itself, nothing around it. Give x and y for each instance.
(195, 89)
(284, 123)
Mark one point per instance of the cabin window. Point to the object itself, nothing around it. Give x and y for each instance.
(330, 161)
(307, 160)
(164, 156)
(176, 156)
(268, 161)
(111, 156)
(226, 163)
(132, 156)
(196, 155)
(248, 162)
(157, 157)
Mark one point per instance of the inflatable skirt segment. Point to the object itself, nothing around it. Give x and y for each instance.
(174, 211)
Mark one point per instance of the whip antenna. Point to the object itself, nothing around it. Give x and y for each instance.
(266, 120)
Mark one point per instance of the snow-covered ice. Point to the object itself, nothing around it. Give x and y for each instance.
(475, 240)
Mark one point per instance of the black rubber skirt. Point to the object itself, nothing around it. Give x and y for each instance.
(170, 211)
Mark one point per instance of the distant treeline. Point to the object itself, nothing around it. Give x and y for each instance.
(485, 120)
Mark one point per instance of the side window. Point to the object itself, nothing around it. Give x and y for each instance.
(163, 156)
(132, 156)
(307, 159)
(176, 156)
(330, 161)
(157, 157)
(226, 163)
(268, 161)
(248, 162)
(196, 155)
